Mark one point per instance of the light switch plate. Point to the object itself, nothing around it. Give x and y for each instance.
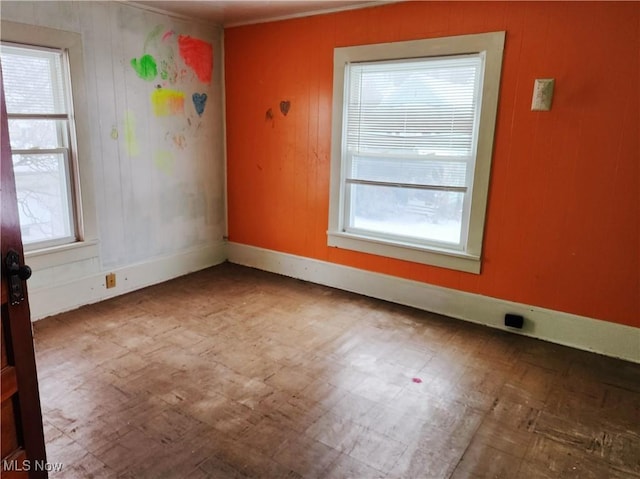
(542, 94)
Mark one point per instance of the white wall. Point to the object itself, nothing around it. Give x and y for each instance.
(158, 181)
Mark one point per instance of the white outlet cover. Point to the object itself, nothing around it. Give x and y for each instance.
(542, 94)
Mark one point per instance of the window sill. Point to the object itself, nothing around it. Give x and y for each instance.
(443, 258)
(64, 254)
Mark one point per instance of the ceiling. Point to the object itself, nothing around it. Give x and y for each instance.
(237, 12)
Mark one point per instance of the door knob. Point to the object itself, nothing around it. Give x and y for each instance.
(16, 274)
(24, 272)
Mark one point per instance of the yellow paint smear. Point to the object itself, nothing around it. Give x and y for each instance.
(164, 161)
(130, 140)
(167, 102)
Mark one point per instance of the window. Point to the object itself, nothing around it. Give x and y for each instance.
(412, 139)
(49, 132)
(37, 95)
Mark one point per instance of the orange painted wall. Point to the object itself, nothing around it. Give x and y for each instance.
(563, 217)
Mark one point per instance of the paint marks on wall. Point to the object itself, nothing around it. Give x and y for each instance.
(268, 117)
(152, 37)
(199, 102)
(167, 102)
(178, 60)
(285, 105)
(164, 161)
(130, 140)
(168, 71)
(145, 67)
(197, 55)
(178, 65)
(179, 141)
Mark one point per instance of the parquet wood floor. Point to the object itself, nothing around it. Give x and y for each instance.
(233, 373)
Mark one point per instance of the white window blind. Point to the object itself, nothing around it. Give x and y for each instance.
(35, 79)
(416, 107)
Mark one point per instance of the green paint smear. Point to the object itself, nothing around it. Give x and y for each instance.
(145, 67)
(168, 70)
(130, 140)
(152, 37)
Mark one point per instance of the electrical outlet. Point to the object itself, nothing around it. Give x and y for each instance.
(542, 94)
(513, 320)
(111, 280)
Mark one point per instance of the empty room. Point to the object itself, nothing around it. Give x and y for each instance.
(320, 239)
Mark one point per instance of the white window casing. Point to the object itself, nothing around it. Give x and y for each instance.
(73, 150)
(412, 139)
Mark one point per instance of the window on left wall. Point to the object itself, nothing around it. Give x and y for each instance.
(41, 129)
(50, 130)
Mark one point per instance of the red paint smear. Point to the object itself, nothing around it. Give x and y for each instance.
(167, 35)
(417, 380)
(198, 55)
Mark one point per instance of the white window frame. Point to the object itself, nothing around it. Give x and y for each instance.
(66, 140)
(84, 245)
(467, 259)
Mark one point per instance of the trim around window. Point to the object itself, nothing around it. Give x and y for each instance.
(468, 257)
(86, 238)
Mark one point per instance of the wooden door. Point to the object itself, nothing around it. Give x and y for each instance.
(22, 442)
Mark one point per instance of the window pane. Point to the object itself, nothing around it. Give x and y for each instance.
(419, 172)
(33, 80)
(28, 134)
(42, 188)
(407, 212)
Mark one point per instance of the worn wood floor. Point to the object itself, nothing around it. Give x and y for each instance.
(233, 372)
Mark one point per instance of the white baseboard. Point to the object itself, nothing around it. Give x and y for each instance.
(580, 332)
(47, 301)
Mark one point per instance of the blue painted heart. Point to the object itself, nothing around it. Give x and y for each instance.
(199, 101)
